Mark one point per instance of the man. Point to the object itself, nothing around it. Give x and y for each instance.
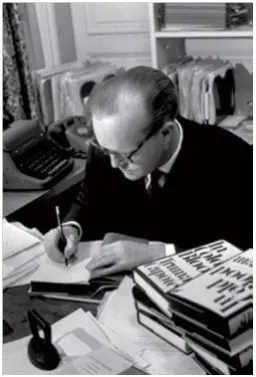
(203, 192)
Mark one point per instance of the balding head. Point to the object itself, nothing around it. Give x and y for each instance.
(141, 86)
(127, 108)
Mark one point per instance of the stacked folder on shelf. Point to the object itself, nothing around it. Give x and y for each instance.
(76, 85)
(201, 302)
(46, 83)
(60, 90)
(194, 16)
(205, 88)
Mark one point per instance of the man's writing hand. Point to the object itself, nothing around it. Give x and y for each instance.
(122, 256)
(51, 241)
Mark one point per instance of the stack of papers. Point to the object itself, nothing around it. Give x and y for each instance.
(83, 347)
(22, 251)
(119, 319)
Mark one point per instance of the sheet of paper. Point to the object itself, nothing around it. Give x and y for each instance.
(120, 316)
(70, 325)
(21, 259)
(76, 271)
(33, 231)
(127, 348)
(103, 361)
(18, 269)
(73, 345)
(182, 365)
(21, 276)
(16, 239)
(130, 350)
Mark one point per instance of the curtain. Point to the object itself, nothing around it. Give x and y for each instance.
(18, 95)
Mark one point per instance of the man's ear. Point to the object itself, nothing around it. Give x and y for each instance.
(168, 128)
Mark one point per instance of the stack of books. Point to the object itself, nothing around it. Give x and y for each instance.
(201, 302)
(217, 307)
(194, 16)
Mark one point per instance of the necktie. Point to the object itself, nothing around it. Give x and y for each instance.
(157, 181)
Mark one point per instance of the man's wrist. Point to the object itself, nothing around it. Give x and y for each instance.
(76, 226)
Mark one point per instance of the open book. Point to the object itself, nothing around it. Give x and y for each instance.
(72, 282)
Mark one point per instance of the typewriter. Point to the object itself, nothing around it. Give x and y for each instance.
(30, 160)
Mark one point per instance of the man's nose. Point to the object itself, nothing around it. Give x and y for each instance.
(116, 162)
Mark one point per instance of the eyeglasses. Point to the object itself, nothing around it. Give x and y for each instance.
(122, 156)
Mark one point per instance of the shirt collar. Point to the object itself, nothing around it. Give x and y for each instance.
(165, 168)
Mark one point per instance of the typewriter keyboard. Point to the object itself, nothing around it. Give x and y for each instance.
(43, 160)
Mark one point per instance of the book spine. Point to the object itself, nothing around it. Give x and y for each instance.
(156, 313)
(152, 291)
(214, 338)
(241, 321)
(167, 322)
(64, 297)
(241, 360)
(162, 331)
(208, 368)
(223, 326)
(228, 350)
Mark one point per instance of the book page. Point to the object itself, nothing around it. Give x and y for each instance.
(75, 272)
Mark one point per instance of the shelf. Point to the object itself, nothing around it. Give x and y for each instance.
(204, 34)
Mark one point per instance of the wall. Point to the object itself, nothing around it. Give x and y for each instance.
(49, 33)
(116, 32)
(65, 32)
(32, 36)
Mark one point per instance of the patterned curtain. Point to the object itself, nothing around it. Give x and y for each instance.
(18, 95)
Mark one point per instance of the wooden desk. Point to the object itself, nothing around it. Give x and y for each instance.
(15, 200)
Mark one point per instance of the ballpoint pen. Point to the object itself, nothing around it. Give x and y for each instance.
(62, 241)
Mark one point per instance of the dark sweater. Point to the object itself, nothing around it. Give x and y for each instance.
(207, 195)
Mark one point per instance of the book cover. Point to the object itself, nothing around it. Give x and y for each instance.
(92, 293)
(221, 298)
(146, 306)
(143, 303)
(207, 367)
(159, 277)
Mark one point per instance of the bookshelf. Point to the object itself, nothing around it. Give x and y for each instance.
(168, 42)
(241, 33)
